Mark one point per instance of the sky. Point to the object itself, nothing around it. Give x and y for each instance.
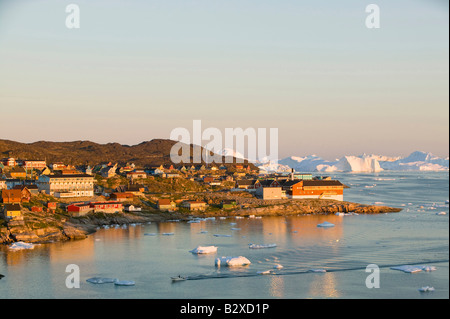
(135, 70)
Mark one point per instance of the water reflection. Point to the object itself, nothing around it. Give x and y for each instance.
(324, 285)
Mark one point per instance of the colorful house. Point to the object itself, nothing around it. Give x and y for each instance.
(11, 211)
(165, 204)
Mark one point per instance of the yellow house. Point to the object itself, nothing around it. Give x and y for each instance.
(12, 211)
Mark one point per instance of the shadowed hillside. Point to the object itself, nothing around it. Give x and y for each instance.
(154, 152)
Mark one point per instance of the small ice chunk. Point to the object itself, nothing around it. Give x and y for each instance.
(101, 280)
(168, 234)
(124, 283)
(232, 261)
(221, 235)
(21, 245)
(426, 289)
(318, 270)
(264, 272)
(150, 234)
(414, 268)
(325, 224)
(278, 266)
(260, 246)
(204, 250)
(441, 213)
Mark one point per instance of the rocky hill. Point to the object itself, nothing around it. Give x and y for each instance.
(150, 153)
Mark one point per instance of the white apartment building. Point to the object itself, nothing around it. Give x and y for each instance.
(62, 186)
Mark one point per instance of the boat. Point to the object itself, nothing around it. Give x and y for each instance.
(178, 278)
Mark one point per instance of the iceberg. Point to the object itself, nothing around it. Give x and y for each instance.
(416, 161)
(20, 245)
(232, 261)
(255, 246)
(204, 250)
(325, 224)
(413, 268)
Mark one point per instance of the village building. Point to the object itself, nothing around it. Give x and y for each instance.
(320, 189)
(18, 172)
(107, 207)
(132, 208)
(269, 192)
(45, 171)
(16, 196)
(34, 164)
(109, 171)
(32, 189)
(122, 197)
(165, 204)
(136, 175)
(12, 211)
(2, 183)
(194, 205)
(81, 209)
(64, 186)
(11, 162)
(247, 184)
(135, 189)
(51, 206)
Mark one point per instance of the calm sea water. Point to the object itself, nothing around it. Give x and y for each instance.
(417, 235)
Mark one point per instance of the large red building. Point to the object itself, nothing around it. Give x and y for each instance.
(321, 189)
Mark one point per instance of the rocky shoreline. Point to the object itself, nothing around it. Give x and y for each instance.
(34, 230)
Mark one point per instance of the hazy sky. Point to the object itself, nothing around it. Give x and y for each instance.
(137, 69)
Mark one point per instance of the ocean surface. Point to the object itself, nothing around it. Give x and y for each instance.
(143, 254)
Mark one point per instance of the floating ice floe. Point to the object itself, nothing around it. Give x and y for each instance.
(234, 228)
(239, 217)
(426, 289)
(233, 224)
(441, 213)
(150, 234)
(204, 250)
(101, 280)
(232, 261)
(264, 272)
(340, 214)
(317, 270)
(413, 268)
(221, 235)
(255, 246)
(20, 245)
(168, 234)
(124, 283)
(325, 224)
(278, 266)
(203, 232)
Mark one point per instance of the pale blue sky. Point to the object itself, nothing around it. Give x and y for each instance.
(137, 69)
